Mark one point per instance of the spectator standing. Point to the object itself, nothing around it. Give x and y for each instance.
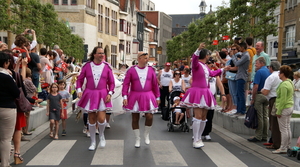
(8, 93)
(297, 90)
(33, 42)
(46, 66)
(284, 105)
(164, 77)
(259, 46)
(3, 46)
(269, 90)
(260, 101)
(242, 62)
(35, 66)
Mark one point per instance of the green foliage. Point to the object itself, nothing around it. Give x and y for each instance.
(233, 21)
(43, 19)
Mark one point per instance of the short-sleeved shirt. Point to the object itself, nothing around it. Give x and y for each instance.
(64, 94)
(260, 77)
(271, 84)
(32, 65)
(265, 56)
(54, 102)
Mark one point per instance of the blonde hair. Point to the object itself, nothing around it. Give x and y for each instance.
(297, 73)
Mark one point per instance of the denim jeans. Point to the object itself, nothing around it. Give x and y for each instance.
(35, 79)
(233, 91)
(241, 100)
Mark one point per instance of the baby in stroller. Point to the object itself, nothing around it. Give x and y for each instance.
(179, 114)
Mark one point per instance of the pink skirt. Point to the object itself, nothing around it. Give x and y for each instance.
(141, 102)
(94, 100)
(196, 97)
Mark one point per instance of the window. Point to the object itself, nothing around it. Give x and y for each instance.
(100, 44)
(128, 47)
(114, 23)
(64, 2)
(72, 28)
(107, 20)
(123, 25)
(290, 36)
(4, 39)
(114, 55)
(55, 2)
(100, 18)
(73, 2)
(90, 4)
(128, 28)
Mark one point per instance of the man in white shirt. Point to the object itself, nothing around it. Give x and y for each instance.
(269, 90)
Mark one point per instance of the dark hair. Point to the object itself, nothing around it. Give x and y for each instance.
(187, 70)
(52, 86)
(203, 53)
(70, 60)
(222, 54)
(62, 81)
(43, 51)
(249, 41)
(11, 58)
(20, 40)
(4, 58)
(243, 45)
(177, 72)
(285, 70)
(94, 52)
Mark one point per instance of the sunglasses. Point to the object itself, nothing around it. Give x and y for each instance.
(233, 49)
(177, 73)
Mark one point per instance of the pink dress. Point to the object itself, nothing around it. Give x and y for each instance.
(100, 81)
(199, 95)
(143, 92)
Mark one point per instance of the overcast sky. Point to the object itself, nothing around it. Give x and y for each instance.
(185, 6)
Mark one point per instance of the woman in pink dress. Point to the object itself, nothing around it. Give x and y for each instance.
(96, 98)
(199, 95)
(143, 95)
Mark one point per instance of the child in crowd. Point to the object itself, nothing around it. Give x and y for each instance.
(179, 114)
(54, 106)
(65, 98)
(44, 94)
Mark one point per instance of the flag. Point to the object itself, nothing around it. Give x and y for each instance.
(215, 42)
(225, 37)
(47, 68)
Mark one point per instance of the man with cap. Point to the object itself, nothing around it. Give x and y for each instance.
(164, 77)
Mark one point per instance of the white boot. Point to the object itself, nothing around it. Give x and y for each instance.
(137, 138)
(146, 134)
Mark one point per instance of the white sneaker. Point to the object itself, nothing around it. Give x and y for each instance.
(88, 134)
(200, 143)
(92, 147)
(84, 129)
(207, 137)
(233, 111)
(102, 142)
(107, 126)
(196, 145)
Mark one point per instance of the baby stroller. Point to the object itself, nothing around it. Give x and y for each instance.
(183, 125)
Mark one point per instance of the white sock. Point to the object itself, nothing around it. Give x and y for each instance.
(196, 127)
(92, 129)
(101, 127)
(201, 129)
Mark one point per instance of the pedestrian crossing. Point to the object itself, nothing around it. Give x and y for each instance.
(164, 153)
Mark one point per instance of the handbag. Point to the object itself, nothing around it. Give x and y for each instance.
(23, 105)
(230, 75)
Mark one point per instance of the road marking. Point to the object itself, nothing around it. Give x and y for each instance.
(53, 153)
(112, 154)
(166, 154)
(221, 156)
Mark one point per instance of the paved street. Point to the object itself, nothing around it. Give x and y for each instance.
(165, 149)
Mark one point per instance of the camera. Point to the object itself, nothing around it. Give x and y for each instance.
(29, 31)
(17, 51)
(23, 55)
